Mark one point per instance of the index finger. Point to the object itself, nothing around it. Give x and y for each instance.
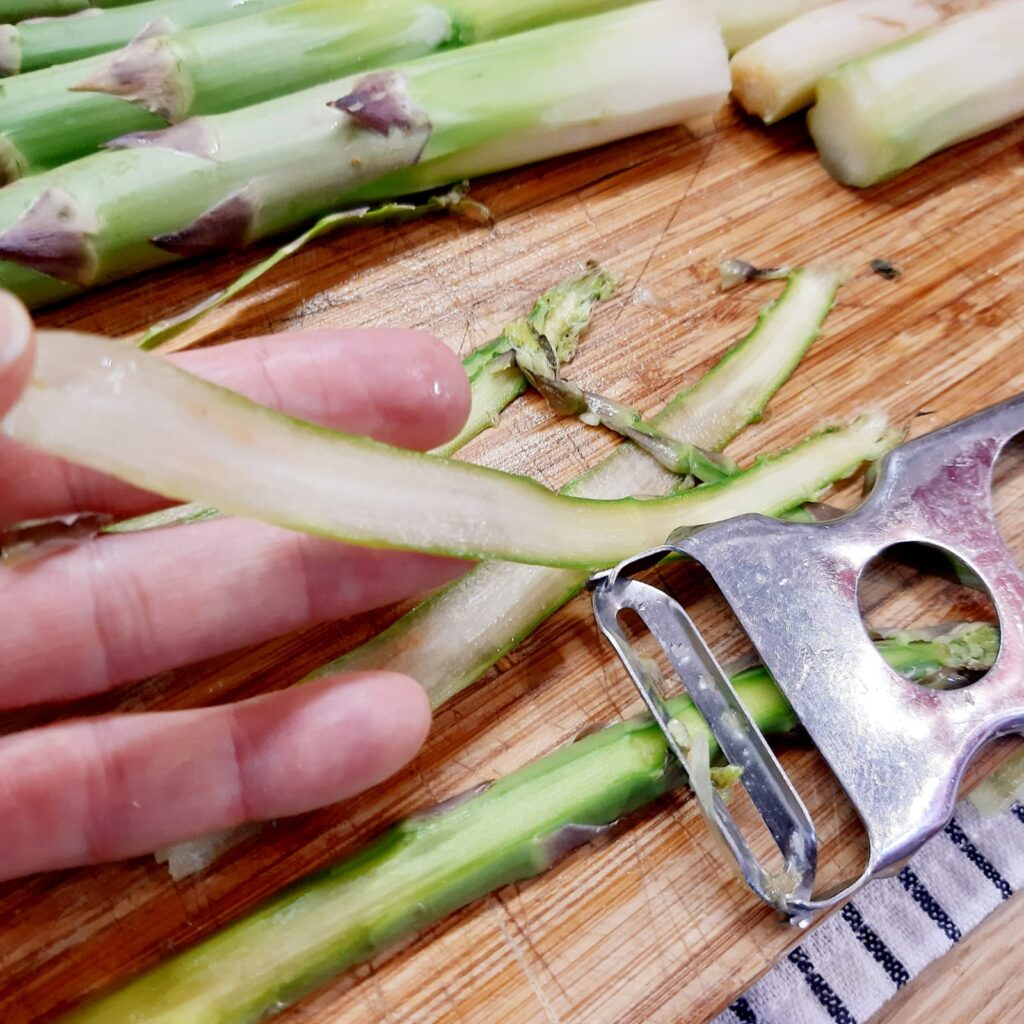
(17, 350)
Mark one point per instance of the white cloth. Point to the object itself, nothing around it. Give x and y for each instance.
(849, 966)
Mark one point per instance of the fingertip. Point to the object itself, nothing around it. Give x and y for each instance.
(17, 349)
(336, 737)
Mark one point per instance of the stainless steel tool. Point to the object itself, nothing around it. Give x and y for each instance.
(897, 748)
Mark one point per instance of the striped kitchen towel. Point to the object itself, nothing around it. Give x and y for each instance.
(849, 967)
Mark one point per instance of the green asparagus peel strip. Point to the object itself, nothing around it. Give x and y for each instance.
(148, 422)
(221, 182)
(59, 40)
(885, 112)
(19, 10)
(743, 21)
(776, 76)
(427, 867)
(65, 112)
(563, 312)
(447, 649)
(455, 200)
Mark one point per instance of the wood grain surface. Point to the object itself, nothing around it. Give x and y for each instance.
(651, 927)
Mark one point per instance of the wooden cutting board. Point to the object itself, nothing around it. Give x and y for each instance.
(651, 927)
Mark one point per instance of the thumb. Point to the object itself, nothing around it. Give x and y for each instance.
(17, 350)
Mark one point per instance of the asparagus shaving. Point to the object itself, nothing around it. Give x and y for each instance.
(227, 180)
(880, 114)
(737, 272)
(29, 541)
(1002, 789)
(145, 421)
(775, 76)
(455, 200)
(425, 868)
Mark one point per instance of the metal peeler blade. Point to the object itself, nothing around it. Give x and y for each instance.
(899, 750)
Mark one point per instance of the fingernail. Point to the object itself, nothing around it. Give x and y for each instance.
(15, 330)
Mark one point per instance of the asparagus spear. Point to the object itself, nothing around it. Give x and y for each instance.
(743, 21)
(56, 115)
(214, 183)
(885, 112)
(40, 44)
(433, 863)
(775, 76)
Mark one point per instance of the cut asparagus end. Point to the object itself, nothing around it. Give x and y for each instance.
(882, 113)
(776, 76)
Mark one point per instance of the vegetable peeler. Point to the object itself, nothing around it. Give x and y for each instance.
(898, 749)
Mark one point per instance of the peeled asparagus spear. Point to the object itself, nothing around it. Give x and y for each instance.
(743, 21)
(58, 114)
(776, 75)
(215, 183)
(433, 863)
(885, 112)
(40, 44)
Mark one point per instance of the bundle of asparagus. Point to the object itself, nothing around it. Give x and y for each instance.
(216, 183)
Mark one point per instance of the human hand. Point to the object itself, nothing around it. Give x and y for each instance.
(124, 607)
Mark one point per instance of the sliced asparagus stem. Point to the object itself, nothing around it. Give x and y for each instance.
(447, 648)
(455, 200)
(885, 112)
(145, 421)
(743, 21)
(427, 867)
(776, 75)
(89, 31)
(220, 182)
(562, 312)
(61, 113)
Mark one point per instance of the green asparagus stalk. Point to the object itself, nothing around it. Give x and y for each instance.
(743, 21)
(885, 112)
(61, 113)
(220, 182)
(430, 865)
(41, 44)
(143, 420)
(775, 76)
